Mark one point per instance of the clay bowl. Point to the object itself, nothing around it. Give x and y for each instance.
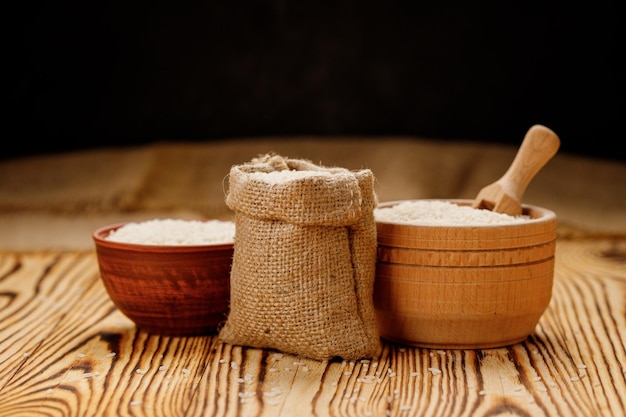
(457, 287)
(166, 290)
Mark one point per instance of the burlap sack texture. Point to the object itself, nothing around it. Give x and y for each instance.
(304, 261)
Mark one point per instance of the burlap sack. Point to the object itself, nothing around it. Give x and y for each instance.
(304, 260)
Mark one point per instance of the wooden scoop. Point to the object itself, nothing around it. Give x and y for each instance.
(505, 195)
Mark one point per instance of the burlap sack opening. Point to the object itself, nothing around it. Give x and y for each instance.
(304, 261)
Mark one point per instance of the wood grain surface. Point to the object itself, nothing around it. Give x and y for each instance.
(65, 350)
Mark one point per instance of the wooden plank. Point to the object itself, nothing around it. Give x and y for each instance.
(66, 351)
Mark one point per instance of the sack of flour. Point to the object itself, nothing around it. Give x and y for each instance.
(304, 259)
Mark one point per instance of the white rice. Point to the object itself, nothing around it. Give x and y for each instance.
(277, 177)
(173, 232)
(442, 213)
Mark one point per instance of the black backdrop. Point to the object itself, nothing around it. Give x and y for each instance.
(94, 74)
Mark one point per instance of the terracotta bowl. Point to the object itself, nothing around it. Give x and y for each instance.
(167, 290)
(464, 286)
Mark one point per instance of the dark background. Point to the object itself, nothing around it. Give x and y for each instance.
(94, 74)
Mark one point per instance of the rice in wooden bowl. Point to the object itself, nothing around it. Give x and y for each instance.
(450, 280)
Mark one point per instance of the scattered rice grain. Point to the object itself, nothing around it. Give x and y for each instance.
(275, 391)
(435, 371)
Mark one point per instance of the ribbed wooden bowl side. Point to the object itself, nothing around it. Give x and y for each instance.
(464, 287)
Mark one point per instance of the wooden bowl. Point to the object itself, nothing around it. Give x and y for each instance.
(167, 290)
(456, 287)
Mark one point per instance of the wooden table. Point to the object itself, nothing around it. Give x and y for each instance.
(65, 350)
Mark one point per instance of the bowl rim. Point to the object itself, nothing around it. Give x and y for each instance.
(99, 234)
(546, 217)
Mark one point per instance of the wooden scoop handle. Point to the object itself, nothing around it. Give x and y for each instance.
(538, 147)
